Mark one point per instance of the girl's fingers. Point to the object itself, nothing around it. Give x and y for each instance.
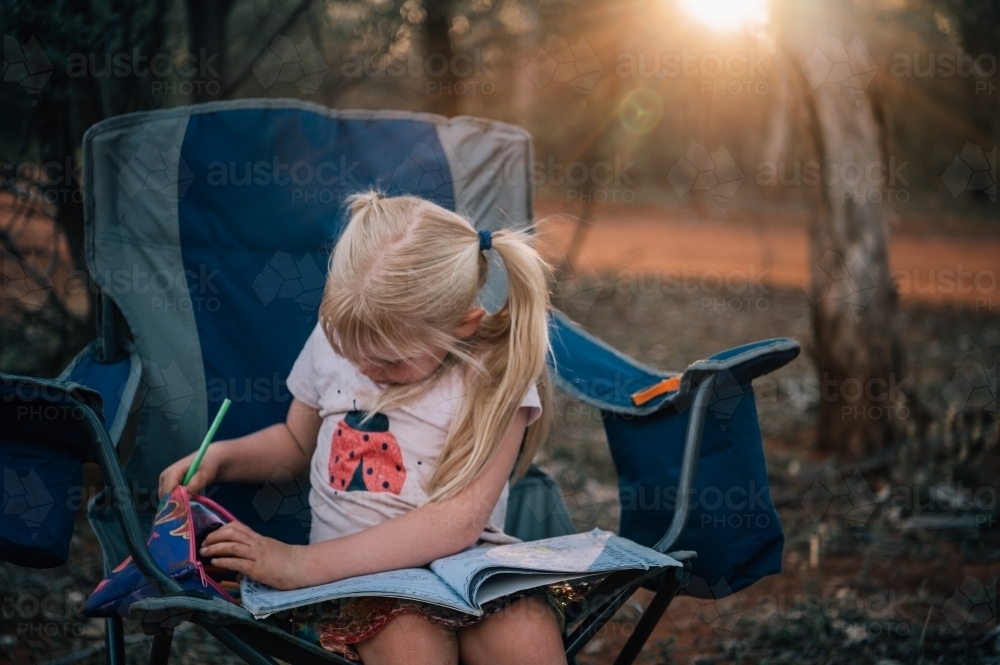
(227, 533)
(168, 481)
(197, 484)
(238, 565)
(229, 548)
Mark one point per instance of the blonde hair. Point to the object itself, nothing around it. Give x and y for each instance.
(402, 276)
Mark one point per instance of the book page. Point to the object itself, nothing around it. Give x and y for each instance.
(410, 583)
(569, 557)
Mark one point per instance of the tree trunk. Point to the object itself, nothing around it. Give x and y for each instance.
(207, 19)
(850, 285)
(440, 56)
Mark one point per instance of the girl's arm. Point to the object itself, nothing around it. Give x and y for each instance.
(254, 457)
(416, 538)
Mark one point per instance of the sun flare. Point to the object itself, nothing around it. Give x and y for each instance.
(727, 15)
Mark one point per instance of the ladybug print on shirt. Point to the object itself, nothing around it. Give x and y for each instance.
(365, 457)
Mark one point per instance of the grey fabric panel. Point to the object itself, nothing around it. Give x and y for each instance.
(135, 178)
(490, 163)
(108, 530)
(490, 166)
(535, 509)
(128, 395)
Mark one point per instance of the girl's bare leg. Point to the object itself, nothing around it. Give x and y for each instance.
(526, 633)
(410, 639)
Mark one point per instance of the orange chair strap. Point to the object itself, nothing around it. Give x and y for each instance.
(665, 386)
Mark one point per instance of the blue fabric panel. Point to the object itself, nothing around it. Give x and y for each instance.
(107, 379)
(733, 524)
(592, 371)
(42, 411)
(43, 444)
(255, 239)
(40, 486)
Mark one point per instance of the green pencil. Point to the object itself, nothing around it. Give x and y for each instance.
(207, 440)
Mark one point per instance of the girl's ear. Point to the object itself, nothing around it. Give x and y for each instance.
(470, 322)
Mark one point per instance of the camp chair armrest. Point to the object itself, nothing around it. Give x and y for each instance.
(689, 463)
(114, 479)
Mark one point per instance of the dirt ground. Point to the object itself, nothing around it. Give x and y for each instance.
(881, 590)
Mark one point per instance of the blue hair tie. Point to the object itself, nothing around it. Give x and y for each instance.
(485, 240)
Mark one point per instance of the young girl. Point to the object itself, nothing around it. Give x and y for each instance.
(411, 405)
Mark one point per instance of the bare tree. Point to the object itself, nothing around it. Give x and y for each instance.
(440, 53)
(855, 339)
(207, 21)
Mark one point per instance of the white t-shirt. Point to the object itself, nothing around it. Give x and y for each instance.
(362, 475)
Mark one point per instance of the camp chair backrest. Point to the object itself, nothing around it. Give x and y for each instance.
(210, 227)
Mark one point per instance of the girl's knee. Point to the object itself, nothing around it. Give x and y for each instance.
(525, 632)
(409, 638)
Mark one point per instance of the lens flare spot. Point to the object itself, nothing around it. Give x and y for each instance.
(641, 111)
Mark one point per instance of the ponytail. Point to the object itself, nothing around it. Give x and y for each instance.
(514, 343)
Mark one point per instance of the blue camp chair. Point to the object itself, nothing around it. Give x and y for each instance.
(207, 231)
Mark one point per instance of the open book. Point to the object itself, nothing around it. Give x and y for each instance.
(469, 579)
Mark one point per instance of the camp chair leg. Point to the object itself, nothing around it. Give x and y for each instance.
(249, 654)
(575, 642)
(647, 622)
(160, 653)
(114, 641)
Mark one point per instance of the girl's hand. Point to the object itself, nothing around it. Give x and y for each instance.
(237, 547)
(173, 475)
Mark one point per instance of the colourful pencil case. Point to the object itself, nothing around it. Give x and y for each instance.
(181, 524)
